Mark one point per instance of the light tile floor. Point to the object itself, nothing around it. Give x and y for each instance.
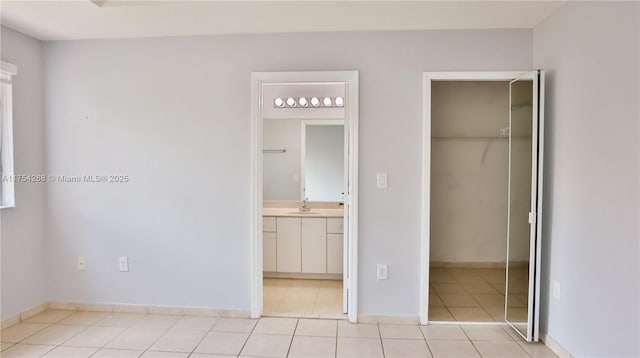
(93, 334)
(302, 298)
(476, 294)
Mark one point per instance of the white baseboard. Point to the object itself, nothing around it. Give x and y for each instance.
(125, 308)
(477, 265)
(384, 319)
(23, 315)
(554, 346)
(303, 276)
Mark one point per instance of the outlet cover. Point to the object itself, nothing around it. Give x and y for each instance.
(81, 264)
(123, 262)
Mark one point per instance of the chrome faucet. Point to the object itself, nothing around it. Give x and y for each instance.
(305, 206)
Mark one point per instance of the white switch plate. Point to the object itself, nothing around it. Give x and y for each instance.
(124, 264)
(556, 290)
(382, 180)
(81, 265)
(383, 272)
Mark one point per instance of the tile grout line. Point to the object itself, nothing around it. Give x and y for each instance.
(206, 333)
(292, 336)
(162, 335)
(461, 284)
(381, 341)
(335, 354)
(471, 295)
(425, 340)
(248, 336)
(472, 344)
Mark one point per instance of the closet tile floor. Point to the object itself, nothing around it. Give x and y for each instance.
(57, 333)
(476, 294)
(302, 298)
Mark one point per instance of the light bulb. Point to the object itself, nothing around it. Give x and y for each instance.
(327, 101)
(303, 102)
(315, 101)
(291, 102)
(339, 101)
(278, 102)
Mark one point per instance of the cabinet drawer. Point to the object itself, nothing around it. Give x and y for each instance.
(335, 225)
(268, 224)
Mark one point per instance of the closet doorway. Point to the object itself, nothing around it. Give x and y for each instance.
(482, 190)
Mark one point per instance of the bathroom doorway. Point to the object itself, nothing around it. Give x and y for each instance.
(304, 202)
(482, 197)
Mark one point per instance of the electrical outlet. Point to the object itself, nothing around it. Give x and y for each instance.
(81, 265)
(383, 272)
(124, 264)
(381, 179)
(556, 290)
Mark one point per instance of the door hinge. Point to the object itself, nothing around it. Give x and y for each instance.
(532, 218)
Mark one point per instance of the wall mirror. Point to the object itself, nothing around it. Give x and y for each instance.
(304, 159)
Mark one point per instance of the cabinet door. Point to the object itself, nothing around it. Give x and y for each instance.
(288, 245)
(269, 251)
(335, 225)
(269, 224)
(314, 245)
(334, 253)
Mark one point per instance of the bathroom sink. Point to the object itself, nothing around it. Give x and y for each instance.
(303, 212)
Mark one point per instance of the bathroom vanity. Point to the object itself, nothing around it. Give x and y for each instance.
(302, 244)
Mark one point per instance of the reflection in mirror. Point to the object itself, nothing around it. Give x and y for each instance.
(323, 161)
(292, 172)
(520, 171)
(281, 160)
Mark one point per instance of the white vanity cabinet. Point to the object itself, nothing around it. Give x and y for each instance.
(314, 245)
(289, 244)
(269, 243)
(302, 245)
(335, 245)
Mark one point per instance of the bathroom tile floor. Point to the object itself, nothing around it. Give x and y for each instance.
(302, 298)
(96, 334)
(476, 294)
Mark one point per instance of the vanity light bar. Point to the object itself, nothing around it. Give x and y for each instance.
(304, 102)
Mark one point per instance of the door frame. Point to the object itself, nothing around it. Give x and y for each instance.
(350, 78)
(425, 219)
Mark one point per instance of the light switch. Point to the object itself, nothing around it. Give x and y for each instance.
(382, 180)
(382, 272)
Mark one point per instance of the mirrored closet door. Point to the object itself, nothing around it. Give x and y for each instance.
(525, 202)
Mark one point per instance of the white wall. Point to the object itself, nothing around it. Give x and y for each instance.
(173, 114)
(590, 242)
(22, 229)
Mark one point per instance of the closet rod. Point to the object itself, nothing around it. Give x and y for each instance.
(274, 151)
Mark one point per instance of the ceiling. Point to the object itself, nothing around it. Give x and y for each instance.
(99, 19)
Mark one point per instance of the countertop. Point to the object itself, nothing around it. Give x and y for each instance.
(295, 212)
